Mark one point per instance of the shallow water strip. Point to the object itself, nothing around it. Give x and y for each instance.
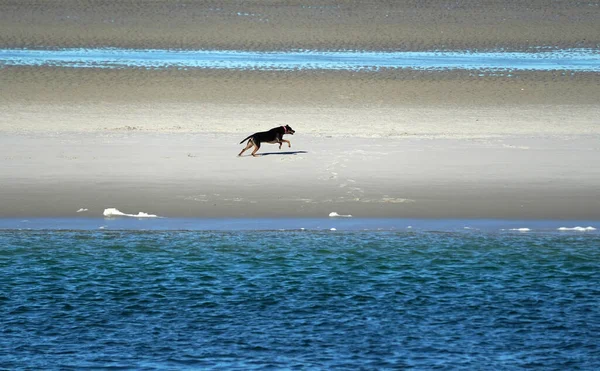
(542, 60)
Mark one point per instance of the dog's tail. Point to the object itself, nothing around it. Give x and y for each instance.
(249, 136)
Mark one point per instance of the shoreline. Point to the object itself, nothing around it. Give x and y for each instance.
(323, 224)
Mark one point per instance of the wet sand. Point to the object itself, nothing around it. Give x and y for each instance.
(396, 88)
(307, 24)
(390, 103)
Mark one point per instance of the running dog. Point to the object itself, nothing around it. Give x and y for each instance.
(274, 135)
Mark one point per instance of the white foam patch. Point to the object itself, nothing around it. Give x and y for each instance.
(333, 214)
(113, 212)
(578, 229)
(332, 229)
(520, 229)
(82, 210)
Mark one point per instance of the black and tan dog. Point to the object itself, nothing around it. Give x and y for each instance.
(274, 135)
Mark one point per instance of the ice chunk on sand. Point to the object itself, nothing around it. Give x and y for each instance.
(113, 212)
(333, 214)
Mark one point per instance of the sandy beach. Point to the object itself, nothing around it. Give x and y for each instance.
(200, 175)
(385, 143)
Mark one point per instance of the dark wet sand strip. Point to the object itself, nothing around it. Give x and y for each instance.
(306, 24)
(398, 88)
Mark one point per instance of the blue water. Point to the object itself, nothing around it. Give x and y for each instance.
(312, 299)
(537, 60)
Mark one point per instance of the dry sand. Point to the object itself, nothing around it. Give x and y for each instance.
(200, 175)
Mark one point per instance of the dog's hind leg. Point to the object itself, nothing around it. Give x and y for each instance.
(256, 148)
(250, 143)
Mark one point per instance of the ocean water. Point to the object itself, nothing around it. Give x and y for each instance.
(299, 299)
(540, 59)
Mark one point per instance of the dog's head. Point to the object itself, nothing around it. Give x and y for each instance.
(289, 130)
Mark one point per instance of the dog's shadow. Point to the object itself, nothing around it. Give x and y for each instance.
(287, 153)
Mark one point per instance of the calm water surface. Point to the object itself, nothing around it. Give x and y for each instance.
(298, 300)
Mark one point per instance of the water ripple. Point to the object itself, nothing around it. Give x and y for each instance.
(255, 300)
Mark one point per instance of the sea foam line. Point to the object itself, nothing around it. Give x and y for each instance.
(577, 229)
(538, 60)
